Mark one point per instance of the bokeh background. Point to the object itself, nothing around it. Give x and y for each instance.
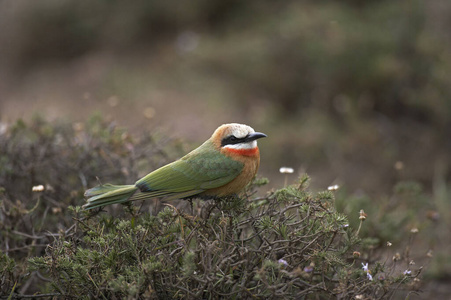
(352, 92)
(355, 93)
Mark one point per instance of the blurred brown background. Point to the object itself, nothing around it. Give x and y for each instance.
(352, 92)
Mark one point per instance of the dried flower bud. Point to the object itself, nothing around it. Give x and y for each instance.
(397, 256)
(224, 221)
(356, 254)
(363, 215)
(429, 254)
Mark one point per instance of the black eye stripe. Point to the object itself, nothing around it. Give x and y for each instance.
(232, 140)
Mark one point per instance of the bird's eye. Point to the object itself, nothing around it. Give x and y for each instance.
(230, 140)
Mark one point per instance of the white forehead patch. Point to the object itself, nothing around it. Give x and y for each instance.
(240, 130)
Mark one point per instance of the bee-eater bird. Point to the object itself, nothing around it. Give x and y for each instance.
(221, 166)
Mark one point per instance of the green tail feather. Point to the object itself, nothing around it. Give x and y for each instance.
(107, 194)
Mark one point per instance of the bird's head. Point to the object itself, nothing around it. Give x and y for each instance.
(237, 139)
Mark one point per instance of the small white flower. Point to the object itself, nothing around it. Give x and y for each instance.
(389, 244)
(309, 269)
(345, 225)
(365, 267)
(333, 187)
(414, 230)
(368, 272)
(407, 272)
(286, 170)
(283, 262)
(37, 188)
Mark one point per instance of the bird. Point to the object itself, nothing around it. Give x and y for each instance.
(222, 166)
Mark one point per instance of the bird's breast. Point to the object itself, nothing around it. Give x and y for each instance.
(251, 162)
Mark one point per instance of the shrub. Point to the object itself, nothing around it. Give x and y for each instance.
(289, 243)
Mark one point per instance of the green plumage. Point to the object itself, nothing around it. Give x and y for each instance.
(202, 169)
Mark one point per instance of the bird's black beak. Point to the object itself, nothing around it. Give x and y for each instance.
(254, 136)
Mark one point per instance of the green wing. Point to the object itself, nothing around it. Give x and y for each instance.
(203, 168)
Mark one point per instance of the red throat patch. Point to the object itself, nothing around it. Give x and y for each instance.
(243, 152)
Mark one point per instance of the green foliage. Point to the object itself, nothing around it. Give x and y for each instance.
(8, 273)
(290, 243)
(45, 169)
